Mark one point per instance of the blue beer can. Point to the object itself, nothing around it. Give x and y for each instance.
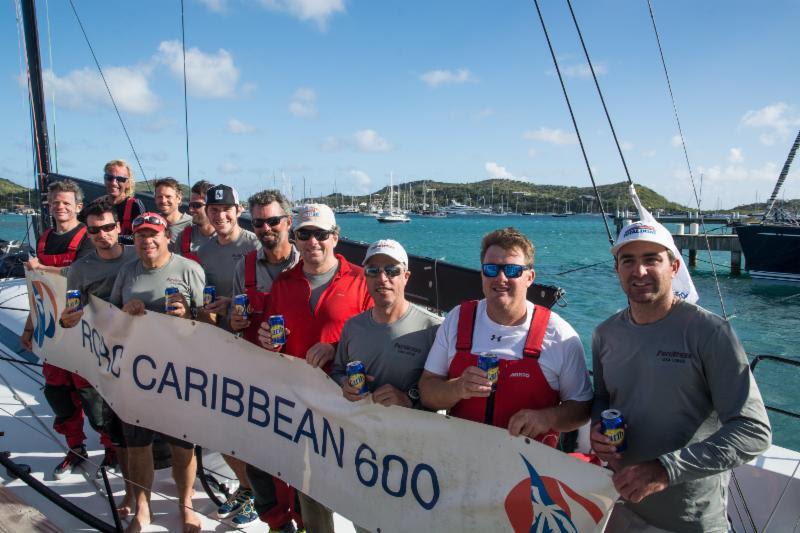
(74, 300)
(277, 329)
(613, 425)
(357, 376)
(241, 304)
(169, 291)
(209, 294)
(490, 363)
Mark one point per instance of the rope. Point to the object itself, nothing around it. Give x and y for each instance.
(686, 157)
(783, 494)
(585, 267)
(50, 55)
(185, 96)
(111, 96)
(572, 115)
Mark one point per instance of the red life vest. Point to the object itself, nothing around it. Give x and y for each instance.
(258, 301)
(63, 259)
(520, 383)
(186, 244)
(126, 228)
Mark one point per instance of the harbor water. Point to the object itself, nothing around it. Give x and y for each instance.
(573, 253)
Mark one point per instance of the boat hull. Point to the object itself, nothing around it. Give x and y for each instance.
(771, 251)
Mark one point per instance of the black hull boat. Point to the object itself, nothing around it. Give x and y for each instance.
(771, 251)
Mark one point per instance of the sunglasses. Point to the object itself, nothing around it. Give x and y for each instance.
(118, 179)
(391, 271)
(149, 219)
(303, 234)
(105, 228)
(492, 270)
(197, 205)
(271, 222)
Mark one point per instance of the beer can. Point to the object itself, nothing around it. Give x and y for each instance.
(277, 329)
(490, 363)
(169, 291)
(209, 294)
(74, 300)
(357, 376)
(240, 305)
(613, 425)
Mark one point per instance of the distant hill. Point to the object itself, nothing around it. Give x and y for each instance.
(9, 187)
(793, 206)
(12, 194)
(522, 196)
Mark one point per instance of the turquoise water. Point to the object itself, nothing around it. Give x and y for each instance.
(764, 314)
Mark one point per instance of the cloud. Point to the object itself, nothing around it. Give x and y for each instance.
(730, 174)
(779, 118)
(626, 146)
(552, 136)
(496, 171)
(735, 155)
(486, 112)
(317, 11)
(582, 70)
(331, 144)
(532, 152)
(83, 89)
(361, 180)
(435, 78)
(369, 141)
(216, 6)
(649, 153)
(676, 141)
(228, 167)
(237, 127)
(207, 75)
(303, 103)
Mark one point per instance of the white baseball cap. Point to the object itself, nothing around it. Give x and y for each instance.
(388, 247)
(317, 215)
(647, 231)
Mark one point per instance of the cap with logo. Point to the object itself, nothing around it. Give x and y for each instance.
(387, 247)
(645, 231)
(222, 195)
(315, 215)
(149, 220)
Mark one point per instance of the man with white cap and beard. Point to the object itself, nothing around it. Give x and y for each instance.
(681, 380)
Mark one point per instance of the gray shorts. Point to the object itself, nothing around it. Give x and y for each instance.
(137, 436)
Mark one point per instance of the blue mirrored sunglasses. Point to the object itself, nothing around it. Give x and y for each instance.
(492, 270)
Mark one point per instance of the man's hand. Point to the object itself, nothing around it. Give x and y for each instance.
(238, 322)
(71, 317)
(473, 383)
(134, 307)
(179, 307)
(320, 354)
(636, 482)
(219, 306)
(351, 393)
(26, 339)
(530, 423)
(265, 337)
(33, 264)
(603, 448)
(390, 395)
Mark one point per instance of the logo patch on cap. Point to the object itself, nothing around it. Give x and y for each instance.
(639, 228)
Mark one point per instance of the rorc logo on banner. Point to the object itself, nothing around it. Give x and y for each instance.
(542, 504)
(44, 301)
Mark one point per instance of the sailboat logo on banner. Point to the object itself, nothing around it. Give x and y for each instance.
(44, 301)
(542, 504)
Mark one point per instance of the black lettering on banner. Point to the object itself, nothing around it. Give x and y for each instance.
(367, 472)
(116, 357)
(226, 382)
(252, 405)
(213, 392)
(308, 417)
(338, 451)
(170, 379)
(86, 333)
(401, 491)
(199, 387)
(139, 359)
(279, 400)
(360, 461)
(97, 346)
(434, 482)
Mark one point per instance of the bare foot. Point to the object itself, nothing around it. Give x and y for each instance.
(140, 521)
(125, 507)
(191, 523)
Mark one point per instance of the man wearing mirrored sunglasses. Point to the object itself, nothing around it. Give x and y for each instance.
(316, 297)
(543, 386)
(168, 198)
(200, 231)
(120, 187)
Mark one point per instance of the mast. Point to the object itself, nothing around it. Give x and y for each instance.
(41, 149)
(782, 177)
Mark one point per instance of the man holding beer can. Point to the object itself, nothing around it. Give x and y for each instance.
(542, 385)
(680, 378)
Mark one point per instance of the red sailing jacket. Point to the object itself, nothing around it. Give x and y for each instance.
(186, 244)
(345, 297)
(62, 259)
(520, 383)
(126, 226)
(258, 301)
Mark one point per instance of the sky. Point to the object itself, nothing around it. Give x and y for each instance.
(346, 93)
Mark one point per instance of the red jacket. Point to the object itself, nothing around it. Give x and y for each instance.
(345, 297)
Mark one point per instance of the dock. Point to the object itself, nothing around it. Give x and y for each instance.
(693, 240)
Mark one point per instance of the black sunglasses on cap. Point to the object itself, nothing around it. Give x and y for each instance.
(304, 234)
(105, 228)
(271, 221)
(391, 271)
(492, 270)
(118, 179)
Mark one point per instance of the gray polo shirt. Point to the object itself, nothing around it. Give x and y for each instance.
(393, 353)
(134, 281)
(265, 272)
(685, 389)
(219, 260)
(176, 228)
(198, 239)
(93, 275)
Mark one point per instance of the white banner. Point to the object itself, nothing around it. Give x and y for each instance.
(390, 468)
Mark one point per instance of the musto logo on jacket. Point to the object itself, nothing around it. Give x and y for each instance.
(541, 504)
(44, 301)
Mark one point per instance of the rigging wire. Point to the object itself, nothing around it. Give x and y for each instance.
(574, 121)
(686, 157)
(185, 96)
(110, 95)
(50, 55)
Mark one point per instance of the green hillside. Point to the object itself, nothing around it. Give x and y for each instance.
(142, 186)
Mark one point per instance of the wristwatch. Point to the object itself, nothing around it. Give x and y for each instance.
(413, 395)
